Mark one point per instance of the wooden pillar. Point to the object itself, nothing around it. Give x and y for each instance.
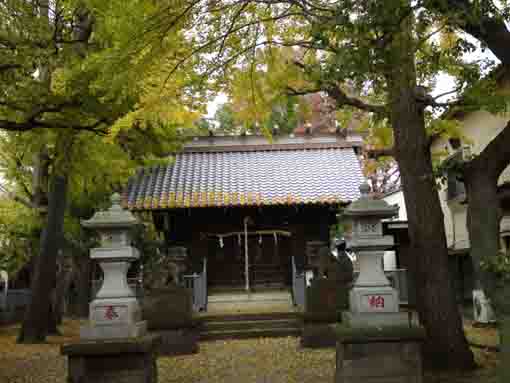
(298, 244)
(198, 249)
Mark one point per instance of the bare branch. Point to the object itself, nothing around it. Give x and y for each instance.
(6, 67)
(218, 39)
(382, 152)
(12, 126)
(341, 98)
(456, 90)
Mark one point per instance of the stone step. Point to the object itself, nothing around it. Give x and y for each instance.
(268, 295)
(252, 317)
(239, 326)
(250, 324)
(251, 333)
(268, 286)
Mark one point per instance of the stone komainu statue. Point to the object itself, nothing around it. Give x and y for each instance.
(345, 268)
(339, 268)
(329, 292)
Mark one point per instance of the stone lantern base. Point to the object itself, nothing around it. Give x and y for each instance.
(367, 320)
(114, 318)
(391, 354)
(380, 299)
(123, 360)
(374, 306)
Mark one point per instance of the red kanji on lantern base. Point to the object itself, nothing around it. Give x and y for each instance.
(376, 301)
(110, 313)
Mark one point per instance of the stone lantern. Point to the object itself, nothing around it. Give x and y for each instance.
(373, 301)
(115, 311)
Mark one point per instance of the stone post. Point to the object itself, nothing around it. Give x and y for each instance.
(114, 345)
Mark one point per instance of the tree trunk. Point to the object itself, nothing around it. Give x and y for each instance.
(53, 315)
(83, 285)
(64, 279)
(481, 177)
(36, 323)
(483, 218)
(484, 215)
(446, 346)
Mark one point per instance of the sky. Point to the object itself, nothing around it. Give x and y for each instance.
(444, 83)
(212, 107)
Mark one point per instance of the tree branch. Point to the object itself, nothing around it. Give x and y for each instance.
(12, 126)
(376, 153)
(495, 157)
(456, 90)
(342, 99)
(486, 25)
(6, 67)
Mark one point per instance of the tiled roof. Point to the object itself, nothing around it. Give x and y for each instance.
(270, 176)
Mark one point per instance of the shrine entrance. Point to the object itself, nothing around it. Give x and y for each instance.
(251, 260)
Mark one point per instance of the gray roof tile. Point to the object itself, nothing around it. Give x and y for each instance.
(327, 175)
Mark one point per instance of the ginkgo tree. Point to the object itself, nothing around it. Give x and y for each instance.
(65, 91)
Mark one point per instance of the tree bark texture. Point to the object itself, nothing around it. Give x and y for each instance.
(82, 284)
(36, 323)
(483, 219)
(446, 346)
(481, 176)
(64, 280)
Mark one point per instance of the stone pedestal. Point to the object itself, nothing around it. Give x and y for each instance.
(373, 302)
(169, 313)
(115, 311)
(379, 356)
(116, 361)
(322, 301)
(109, 319)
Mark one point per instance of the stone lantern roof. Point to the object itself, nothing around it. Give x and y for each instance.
(114, 218)
(368, 206)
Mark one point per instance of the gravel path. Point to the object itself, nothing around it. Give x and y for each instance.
(263, 360)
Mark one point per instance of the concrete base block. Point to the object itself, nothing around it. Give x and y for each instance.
(379, 362)
(358, 320)
(178, 342)
(114, 331)
(116, 361)
(318, 335)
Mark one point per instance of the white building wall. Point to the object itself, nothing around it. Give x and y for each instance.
(448, 217)
(397, 198)
(478, 129)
